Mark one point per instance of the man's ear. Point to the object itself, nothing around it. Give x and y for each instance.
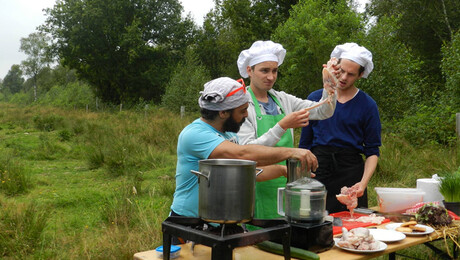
(224, 114)
(249, 70)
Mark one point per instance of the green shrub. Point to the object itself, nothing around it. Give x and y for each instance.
(48, 122)
(450, 65)
(64, 135)
(48, 148)
(72, 95)
(430, 124)
(22, 98)
(185, 85)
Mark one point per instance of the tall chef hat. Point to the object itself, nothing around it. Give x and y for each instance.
(260, 51)
(223, 94)
(356, 53)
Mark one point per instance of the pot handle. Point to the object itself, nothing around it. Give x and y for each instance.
(259, 171)
(198, 174)
(280, 202)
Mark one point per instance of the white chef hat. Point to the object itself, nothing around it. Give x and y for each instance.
(260, 51)
(223, 94)
(356, 53)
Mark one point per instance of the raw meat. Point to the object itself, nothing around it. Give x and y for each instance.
(358, 239)
(329, 78)
(348, 197)
(372, 218)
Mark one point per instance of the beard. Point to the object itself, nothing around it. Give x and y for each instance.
(230, 125)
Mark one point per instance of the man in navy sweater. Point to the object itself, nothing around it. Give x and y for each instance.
(354, 130)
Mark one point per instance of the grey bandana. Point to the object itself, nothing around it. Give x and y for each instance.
(222, 94)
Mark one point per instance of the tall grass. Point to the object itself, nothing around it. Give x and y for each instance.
(14, 179)
(105, 180)
(450, 186)
(21, 228)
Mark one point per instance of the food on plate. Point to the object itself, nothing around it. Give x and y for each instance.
(404, 229)
(349, 197)
(433, 215)
(358, 239)
(409, 223)
(409, 227)
(418, 229)
(372, 218)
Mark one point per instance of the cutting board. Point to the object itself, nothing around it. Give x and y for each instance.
(351, 224)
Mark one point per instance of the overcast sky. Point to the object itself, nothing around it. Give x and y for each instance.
(19, 18)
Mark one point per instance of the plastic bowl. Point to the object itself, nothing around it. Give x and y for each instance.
(398, 199)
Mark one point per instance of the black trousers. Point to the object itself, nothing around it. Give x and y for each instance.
(339, 167)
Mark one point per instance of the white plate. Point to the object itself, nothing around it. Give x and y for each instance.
(386, 235)
(382, 247)
(428, 230)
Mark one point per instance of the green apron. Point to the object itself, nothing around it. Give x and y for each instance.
(267, 191)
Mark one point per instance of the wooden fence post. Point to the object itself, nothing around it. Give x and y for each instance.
(182, 111)
(458, 124)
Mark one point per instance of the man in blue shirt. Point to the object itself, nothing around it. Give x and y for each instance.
(353, 130)
(223, 104)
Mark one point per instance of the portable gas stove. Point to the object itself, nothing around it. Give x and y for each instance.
(226, 237)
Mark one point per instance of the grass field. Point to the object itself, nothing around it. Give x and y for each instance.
(86, 185)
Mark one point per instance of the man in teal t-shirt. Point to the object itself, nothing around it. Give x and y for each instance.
(223, 104)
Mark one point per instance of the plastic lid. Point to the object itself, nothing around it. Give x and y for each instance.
(306, 184)
(173, 249)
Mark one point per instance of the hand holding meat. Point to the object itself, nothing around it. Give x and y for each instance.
(330, 73)
(349, 197)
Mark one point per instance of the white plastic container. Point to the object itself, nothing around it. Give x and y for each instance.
(398, 199)
(174, 252)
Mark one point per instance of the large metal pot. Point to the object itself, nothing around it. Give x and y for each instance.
(226, 190)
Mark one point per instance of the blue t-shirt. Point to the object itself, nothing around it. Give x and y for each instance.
(196, 142)
(271, 108)
(355, 124)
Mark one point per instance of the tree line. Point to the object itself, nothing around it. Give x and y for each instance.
(145, 51)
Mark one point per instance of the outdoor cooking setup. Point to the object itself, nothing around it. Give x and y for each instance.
(226, 199)
(225, 238)
(226, 205)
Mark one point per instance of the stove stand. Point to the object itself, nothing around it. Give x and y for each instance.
(222, 245)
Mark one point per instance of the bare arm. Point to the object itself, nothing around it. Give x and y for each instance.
(272, 172)
(263, 155)
(369, 168)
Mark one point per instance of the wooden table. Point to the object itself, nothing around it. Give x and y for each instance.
(253, 253)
